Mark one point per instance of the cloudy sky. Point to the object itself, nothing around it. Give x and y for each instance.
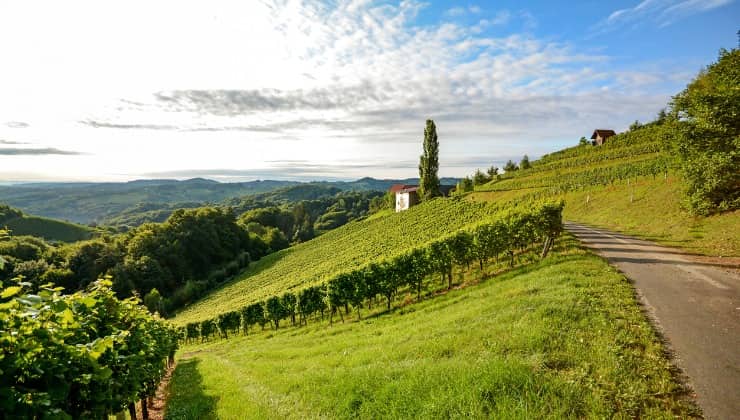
(241, 90)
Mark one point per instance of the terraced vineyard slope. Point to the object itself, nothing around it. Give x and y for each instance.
(340, 250)
(630, 184)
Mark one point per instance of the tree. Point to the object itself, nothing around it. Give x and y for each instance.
(429, 164)
(524, 164)
(510, 166)
(275, 310)
(480, 178)
(153, 301)
(708, 146)
(464, 185)
(583, 142)
(492, 172)
(289, 302)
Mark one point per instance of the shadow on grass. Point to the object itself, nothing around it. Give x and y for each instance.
(187, 399)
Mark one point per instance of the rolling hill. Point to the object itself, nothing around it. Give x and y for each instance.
(49, 229)
(339, 250)
(555, 338)
(152, 200)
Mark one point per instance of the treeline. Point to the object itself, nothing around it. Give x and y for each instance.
(83, 355)
(304, 219)
(515, 229)
(178, 260)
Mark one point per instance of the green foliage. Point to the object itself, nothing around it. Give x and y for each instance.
(480, 178)
(709, 142)
(153, 302)
(274, 310)
(625, 156)
(507, 231)
(429, 164)
(385, 202)
(557, 339)
(510, 166)
(465, 185)
(83, 355)
(524, 164)
(49, 229)
(339, 250)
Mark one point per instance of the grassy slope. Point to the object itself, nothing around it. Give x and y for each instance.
(341, 249)
(49, 229)
(644, 206)
(558, 338)
(647, 208)
(650, 209)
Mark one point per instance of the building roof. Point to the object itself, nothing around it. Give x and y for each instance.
(398, 187)
(408, 189)
(602, 133)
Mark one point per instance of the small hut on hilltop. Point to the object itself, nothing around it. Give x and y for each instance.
(599, 136)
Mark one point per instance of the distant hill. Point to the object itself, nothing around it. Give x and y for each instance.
(153, 199)
(49, 229)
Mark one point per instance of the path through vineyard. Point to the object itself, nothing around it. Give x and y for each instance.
(694, 302)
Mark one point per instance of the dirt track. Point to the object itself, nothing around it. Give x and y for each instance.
(694, 302)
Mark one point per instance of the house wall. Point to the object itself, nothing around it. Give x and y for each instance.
(402, 201)
(405, 200)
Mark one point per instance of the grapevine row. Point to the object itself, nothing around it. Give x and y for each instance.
(514, 229)
(83, 355)
(319, 260)
(603, 155)
(596, 176)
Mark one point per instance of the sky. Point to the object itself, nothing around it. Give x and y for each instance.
(244, 90)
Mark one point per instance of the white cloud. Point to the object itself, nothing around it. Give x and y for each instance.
(168, 86)
(657, 12)
(456, 11)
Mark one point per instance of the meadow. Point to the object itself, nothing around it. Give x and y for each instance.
(558, 338)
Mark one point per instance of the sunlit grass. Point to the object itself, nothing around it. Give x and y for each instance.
(559, 338)
(646, 207)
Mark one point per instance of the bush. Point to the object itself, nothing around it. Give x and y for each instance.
(708, 146)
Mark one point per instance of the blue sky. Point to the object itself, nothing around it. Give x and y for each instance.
(288, 89)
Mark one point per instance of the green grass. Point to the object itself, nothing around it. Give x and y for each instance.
(343, 249)
(647, 207)
(558, 338)
(50, 229)
(633, 202)
(650, 208)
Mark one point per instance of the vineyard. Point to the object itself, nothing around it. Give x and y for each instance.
(114, 352)
(339, 251)
(624, 157)
(505, 233)
(630, 184)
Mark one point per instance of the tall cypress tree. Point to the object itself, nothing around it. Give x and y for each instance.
(429, 164)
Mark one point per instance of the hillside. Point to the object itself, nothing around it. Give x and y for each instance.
(49, 229)
(93, 202)
(342, 249)
(630, 184)
(129, 203)
(560, 338)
